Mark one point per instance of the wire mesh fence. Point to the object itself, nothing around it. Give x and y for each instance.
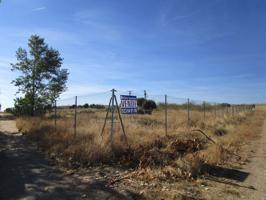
(94, 114)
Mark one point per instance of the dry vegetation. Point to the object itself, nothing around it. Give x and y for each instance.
(261, 107)
(151, 157)
(182, 151)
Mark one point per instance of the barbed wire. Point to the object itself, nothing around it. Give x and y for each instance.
(103, 98)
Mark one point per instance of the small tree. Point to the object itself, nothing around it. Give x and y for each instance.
(145, 105)
(41, 78)
(86, 105)
(149, 105)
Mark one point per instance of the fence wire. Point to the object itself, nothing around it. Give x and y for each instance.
(87, 114)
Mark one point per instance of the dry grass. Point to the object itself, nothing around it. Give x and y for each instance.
(180, 154)
(261, 107)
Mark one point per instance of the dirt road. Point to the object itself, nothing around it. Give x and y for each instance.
(247, 180)
(256, 169)
(28, 174)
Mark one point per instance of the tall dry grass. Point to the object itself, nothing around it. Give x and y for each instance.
(261, 107)
(181, 153)
(148, 144)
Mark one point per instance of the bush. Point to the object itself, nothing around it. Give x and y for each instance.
(10, 110)
(97, 106)
(86, 105)
(149, 105)
(140, 102)
(145, 106)
(73, 106)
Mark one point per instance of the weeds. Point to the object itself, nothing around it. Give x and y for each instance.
(180, 154)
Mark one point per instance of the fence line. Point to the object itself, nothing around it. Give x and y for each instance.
(168, 104)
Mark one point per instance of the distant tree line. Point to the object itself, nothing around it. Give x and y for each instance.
(145, 106)
(86, 105)
(199, 107)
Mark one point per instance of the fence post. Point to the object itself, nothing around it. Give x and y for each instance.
(55, 113)
(112, 119)
(75, 117)
(165, 101)
(215, 110)
(188, 114)
(204, 109)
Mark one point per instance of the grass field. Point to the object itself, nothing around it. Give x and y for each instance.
(261, 107)
(147, 147)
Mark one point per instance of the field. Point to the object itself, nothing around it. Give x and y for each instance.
(151, 163)
(261, 107)
(148, 144)
(150, 159)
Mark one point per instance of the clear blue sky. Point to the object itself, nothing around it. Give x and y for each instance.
(202, 49)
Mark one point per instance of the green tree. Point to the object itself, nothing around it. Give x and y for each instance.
(146, 105)
(41, 78)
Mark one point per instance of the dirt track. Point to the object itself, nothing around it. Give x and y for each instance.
(257, 169)
(247, 180)
(28, 174)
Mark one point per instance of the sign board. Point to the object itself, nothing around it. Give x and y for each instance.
(128, 104)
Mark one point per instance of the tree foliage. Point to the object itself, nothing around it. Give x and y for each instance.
(41, 78)
(146, 105)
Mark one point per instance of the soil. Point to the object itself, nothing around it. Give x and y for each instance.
(245, 179)
(256, 169)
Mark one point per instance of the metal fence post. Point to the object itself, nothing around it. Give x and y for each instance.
(204, 109)
(75, 116)
(215, 110)
(55, 113)
(165, 101)
(188, 114)
(112, 119)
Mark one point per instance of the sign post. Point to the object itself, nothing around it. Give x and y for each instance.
(113, 105)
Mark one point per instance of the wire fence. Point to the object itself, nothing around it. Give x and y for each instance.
(89, 113)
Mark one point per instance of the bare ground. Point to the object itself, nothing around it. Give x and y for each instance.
(27, 173)
(256, 169)
(246, 180)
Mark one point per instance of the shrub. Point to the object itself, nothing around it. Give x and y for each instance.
(72, 107)
(10, 110)
(86, 105)
(97, 106)
(145, 106)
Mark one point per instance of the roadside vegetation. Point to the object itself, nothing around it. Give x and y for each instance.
(147, 145)
(150, 159)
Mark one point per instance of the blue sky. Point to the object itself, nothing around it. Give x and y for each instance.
(201, 49)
